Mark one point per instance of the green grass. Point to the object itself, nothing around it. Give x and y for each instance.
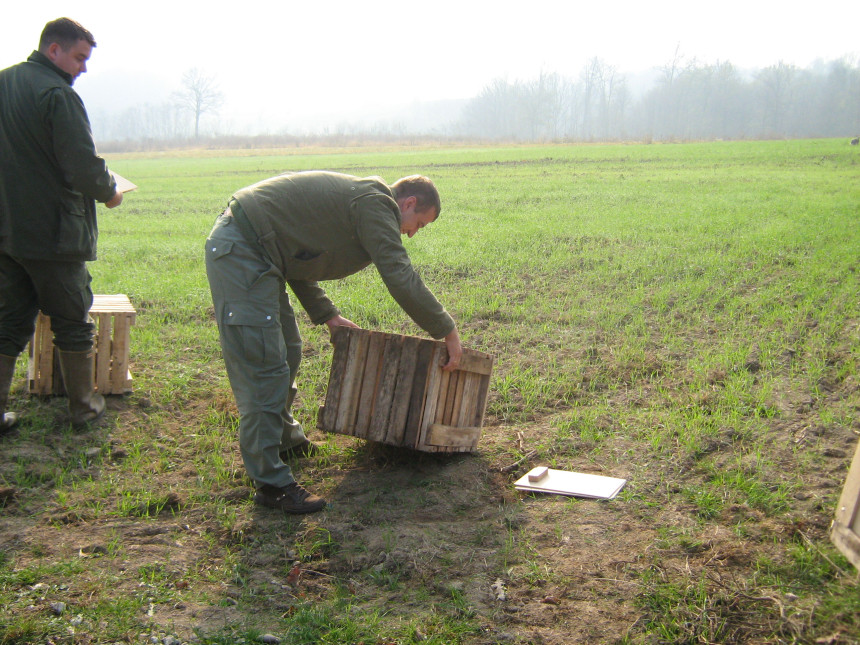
(684, 314)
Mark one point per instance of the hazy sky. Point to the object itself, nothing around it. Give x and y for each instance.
(286, 59)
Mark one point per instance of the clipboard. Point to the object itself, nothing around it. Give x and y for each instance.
(123, 185)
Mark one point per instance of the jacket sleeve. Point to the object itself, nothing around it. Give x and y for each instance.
(314, 300)
(378, 230)
(74, 147)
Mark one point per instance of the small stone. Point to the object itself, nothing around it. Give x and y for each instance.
(270, 638)
(58, 608)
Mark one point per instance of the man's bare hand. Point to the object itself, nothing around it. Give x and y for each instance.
(455, 351)
(339, 321)
(115, 201)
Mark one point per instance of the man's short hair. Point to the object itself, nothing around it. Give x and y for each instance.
(66, 33)
(422, 189)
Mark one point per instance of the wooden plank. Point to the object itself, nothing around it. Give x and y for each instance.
(119, 353)
(46, 356)
(483, 391)
(431, 399)
(451, 397)
(474, 361)
(102, 348)
(340, 341)
(345, 410)
(353, 382)
(370, 383)
(419, 391)
(469, 389)
(396, 430)
(112, 303)
(845, 532)
(453, 436)
(391, 353)
(442, 396)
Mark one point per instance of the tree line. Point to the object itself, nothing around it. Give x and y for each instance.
(685, 101)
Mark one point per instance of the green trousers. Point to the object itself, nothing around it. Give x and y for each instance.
(261, 346)
(60, 289)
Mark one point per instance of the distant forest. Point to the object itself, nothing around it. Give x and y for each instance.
(684, 102)
(691, 102)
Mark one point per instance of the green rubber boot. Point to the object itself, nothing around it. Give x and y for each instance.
(85, 406)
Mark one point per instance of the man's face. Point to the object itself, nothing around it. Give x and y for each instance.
(411, 221)
(73, 61)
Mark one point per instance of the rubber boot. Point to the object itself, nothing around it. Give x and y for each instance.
(8, 420)
(84, 404)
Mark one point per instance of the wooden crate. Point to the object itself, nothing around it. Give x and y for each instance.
(391, 388)
(845, 531)
(113, 316)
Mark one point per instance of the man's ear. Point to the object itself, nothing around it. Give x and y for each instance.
(407, 203)
(53, 51)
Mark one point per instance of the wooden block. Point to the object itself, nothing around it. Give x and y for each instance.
(536, 474)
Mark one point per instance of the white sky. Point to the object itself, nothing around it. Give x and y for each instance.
(290, 59)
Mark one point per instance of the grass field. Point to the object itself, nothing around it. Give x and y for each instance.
(683, 316)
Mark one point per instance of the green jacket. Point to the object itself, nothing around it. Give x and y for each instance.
(323, 226)
(50, 173)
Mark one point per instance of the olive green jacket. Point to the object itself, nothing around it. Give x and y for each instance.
(50, 173)
(323, 226)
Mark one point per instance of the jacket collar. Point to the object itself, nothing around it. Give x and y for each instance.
(41, 59)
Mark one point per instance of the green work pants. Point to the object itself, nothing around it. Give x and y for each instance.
(60, 290)
(261, 346)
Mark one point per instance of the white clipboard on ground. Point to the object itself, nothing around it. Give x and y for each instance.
(562, 482)
(123, 185)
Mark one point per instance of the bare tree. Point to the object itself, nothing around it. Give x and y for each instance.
(200, 95)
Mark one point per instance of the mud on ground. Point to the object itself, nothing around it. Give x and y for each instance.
(407, 534)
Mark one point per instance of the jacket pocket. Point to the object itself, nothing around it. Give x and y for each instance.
(76, 232)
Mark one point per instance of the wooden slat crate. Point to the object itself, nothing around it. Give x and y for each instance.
(113, 316)
(391, 389)
(845, 531)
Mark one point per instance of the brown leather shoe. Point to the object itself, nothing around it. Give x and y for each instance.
(290, 499)
(306, 449)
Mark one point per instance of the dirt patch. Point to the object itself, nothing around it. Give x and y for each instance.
(407, 531)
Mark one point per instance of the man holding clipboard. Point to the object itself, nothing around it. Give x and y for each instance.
(50, 180)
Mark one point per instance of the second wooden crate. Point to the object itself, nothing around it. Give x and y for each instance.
(113, 316)
(391, 388)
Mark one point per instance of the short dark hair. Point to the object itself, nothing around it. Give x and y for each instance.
(65, 32)
(422, 189)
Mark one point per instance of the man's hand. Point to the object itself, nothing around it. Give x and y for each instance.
(455, 351)
(115, 201)
(339, 321)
